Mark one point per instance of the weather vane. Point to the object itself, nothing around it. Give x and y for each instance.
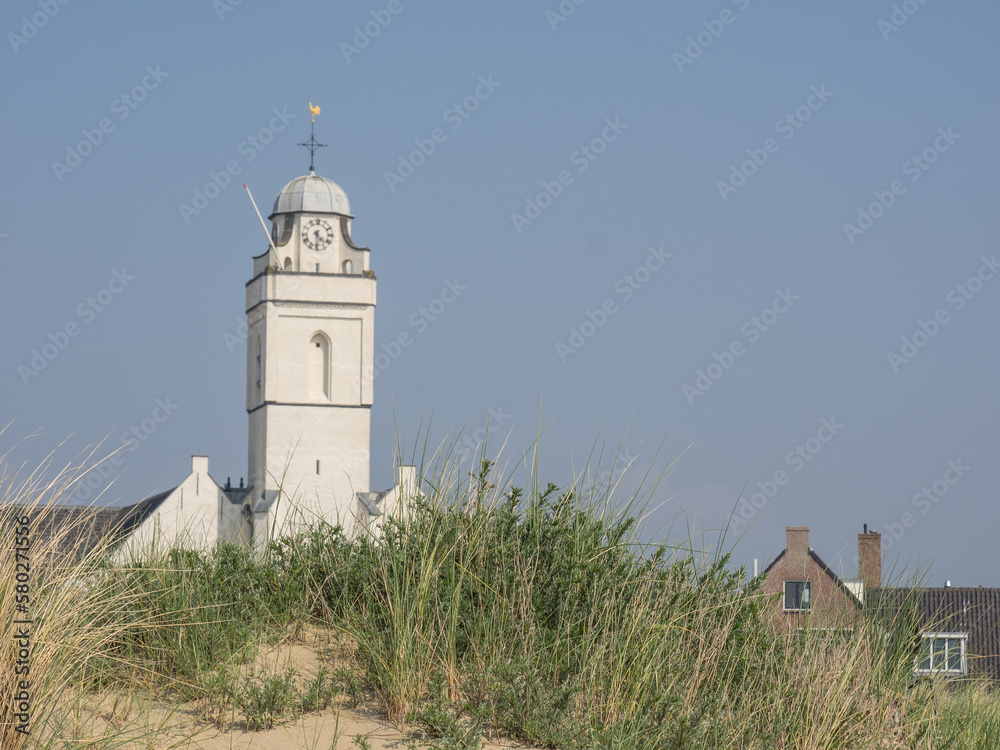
(312, 144)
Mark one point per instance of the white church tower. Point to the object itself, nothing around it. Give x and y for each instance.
(310, 345)
(310, 382)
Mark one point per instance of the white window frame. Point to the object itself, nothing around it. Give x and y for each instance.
(784, 599)
(930, 636)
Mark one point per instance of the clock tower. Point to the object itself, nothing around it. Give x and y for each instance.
(310, 346)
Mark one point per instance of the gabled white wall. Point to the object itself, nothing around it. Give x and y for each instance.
(189, 516)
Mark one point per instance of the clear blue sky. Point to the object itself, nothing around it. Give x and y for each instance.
(737, 139)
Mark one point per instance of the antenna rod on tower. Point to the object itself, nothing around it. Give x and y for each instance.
(263, 226)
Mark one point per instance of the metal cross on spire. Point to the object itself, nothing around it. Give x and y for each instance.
(312, 144)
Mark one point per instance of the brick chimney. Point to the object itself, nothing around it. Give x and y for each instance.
(870, 558)
(797, 544)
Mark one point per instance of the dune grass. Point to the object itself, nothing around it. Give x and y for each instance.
(56, 622)
(488, 610)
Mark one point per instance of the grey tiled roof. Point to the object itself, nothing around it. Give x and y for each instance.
(372, 501)
(66, 533)
(975, 611)
(237, 495)
(134, 515)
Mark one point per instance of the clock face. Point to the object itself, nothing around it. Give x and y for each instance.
(317, 234)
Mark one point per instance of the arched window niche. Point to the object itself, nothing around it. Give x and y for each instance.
(318, 364)
(348, 267)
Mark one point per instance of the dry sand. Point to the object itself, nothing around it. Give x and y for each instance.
(194, 725)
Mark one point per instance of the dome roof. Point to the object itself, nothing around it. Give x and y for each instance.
(313, 194)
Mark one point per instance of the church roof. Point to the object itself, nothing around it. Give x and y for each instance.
(133, 515)
(237, 495)
(313, 194)
(67, 533)
(372, 501)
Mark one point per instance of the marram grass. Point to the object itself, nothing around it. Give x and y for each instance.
(56, 621)
(489, 610)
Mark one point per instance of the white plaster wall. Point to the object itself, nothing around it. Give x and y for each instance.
(281, 326)
(328, 257)
(323, 288)
(298, 436)
(234, 524)
(188, 516)
(256, 332)
(298, 326)
(334, 430)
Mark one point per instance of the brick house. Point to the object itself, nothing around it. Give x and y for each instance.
(810, 594)
(955, 632)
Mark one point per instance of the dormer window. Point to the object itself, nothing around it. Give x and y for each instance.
(942, 653)
(798, 596)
